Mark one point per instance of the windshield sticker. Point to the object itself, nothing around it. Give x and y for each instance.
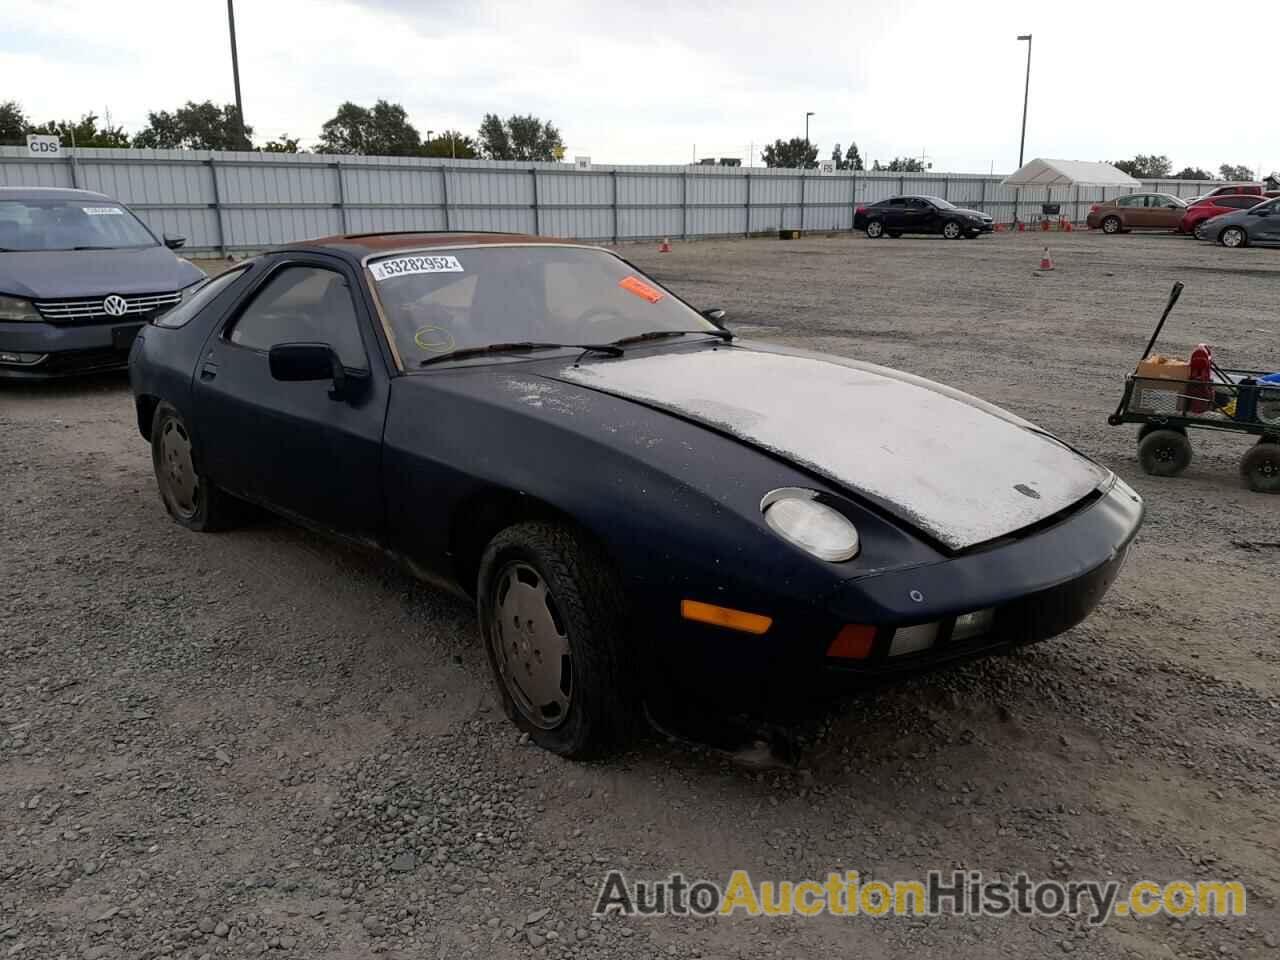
(640, 289)
(402, 266)
(434, 340)
(103, 211)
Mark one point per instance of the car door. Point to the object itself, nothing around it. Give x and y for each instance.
(1164, 212)
(293, 445)
(1132, 210)
(1263, 225)
(916, 216)
(894, 211)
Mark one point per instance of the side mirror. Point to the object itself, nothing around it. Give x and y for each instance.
(716, 315)
(295, 362)
(173, 243)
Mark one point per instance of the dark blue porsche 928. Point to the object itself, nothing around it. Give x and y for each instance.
(644, 508)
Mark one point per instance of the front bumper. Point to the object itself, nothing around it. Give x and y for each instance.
(65, 350)
(982, 226)
(1037, 587)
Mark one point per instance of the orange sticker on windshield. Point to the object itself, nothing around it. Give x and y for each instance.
(640, 289)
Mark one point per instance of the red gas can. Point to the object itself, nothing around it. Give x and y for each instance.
(1202, 370)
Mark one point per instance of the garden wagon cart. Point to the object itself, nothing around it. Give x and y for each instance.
(1234, 401)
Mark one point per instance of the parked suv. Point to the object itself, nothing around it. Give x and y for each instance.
(79, 275)
(1210, 207)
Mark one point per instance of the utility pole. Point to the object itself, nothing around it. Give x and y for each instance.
(806, 138)
(1026, 95)
(235, 70)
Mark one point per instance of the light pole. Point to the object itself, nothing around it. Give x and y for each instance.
(235, 70)
(1026, 94)
(806, 138)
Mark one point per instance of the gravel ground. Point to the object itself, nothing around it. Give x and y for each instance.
(263, 743)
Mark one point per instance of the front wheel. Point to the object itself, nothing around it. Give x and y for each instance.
(875, 229)
(952, 230)
(1111, 225)
(1164, 453)
(1233, 237)
(190, 498)
(1260, 467)
(553, 617)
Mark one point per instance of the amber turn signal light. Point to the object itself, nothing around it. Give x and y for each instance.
(853, 642)
(756, 623)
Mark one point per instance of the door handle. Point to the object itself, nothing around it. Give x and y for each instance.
(208, 370)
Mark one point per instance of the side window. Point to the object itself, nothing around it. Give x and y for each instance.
(303, 305)
(898, 202)
(1136, 200)
(917, 204)
(207, 290)
(1239, 203)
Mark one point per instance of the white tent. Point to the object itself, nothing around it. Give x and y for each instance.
(1069, 173)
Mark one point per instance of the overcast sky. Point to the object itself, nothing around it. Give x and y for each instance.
(663, 82)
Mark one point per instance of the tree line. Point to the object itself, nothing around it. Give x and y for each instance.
(380, 130)
(801, 154)
(1159, 167)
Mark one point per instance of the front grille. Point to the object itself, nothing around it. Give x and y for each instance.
(141, 306)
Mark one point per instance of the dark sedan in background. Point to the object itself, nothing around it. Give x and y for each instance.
(1260, 224)
(644, 508)
(79, 276)
(899, 215)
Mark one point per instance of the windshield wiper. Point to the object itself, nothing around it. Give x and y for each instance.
(663, 334)
(520, 346)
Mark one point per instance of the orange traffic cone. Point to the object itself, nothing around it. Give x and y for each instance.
(665, 245)
(1022, 226)
(1046, 262)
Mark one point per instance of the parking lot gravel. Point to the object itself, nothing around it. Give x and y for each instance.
(261, 743)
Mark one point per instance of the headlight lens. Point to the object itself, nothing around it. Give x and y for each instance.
(15, 308)
(796, 515)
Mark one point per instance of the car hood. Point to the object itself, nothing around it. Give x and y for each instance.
(58, 274)
(956, 468)
(970, 213)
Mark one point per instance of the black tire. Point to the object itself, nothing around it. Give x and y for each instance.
(1111, 225)
(1260, 467)
(952, 230)
(586, 599)
(1234, 238)
(189, 499)
(874, 229)
(1164, 453)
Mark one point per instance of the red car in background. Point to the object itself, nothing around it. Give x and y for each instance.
(1212, 206)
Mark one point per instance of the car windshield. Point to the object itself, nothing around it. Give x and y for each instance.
(28, 225)
(940, 203)
(445, 299)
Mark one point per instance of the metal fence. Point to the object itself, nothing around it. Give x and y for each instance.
(239, 202)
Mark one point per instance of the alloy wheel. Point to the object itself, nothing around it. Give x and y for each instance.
(179, 481)
(531, 646)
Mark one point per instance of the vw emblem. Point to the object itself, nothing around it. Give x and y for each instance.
(115, 306)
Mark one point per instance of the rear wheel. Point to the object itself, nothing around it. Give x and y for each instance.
(190, 498)
(952, 230)
(1164, 453)
(1233, 237)
(1111, 225)
(1260, 467)
(553, 616)
(875, 229)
